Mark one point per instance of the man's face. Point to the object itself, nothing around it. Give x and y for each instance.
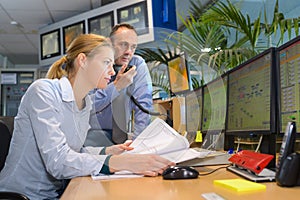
(125, 42)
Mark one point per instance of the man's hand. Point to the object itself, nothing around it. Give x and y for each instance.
(123, 80)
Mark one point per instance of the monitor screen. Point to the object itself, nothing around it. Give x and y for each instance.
(70, 32)
(251, 95)
(193, 109)
(101, 24)
(179, 78)
(136, 15)
(50, 44)
(289, 67)
(214, 105)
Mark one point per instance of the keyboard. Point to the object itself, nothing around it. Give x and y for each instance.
(263, 176)
(211, 152)
(213, 158)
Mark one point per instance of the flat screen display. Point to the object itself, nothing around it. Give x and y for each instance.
(214, 105)
(251, 95)
(102, 24)
(136, 15)
(50, 44)
(289, 67)
(70, 32)
(193, 109)
(179, 78)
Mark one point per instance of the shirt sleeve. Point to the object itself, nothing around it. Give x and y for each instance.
(60, 160)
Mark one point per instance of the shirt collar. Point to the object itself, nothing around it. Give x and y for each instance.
(66, 89)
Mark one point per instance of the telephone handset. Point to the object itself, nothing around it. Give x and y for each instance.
(288, 143)
(288, 165)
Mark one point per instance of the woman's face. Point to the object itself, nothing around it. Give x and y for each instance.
(100, 67)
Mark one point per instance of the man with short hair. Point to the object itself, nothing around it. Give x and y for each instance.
(113, 106)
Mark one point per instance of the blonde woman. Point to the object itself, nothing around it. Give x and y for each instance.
(52, 123)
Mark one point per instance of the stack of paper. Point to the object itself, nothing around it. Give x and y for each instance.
(240, 185)
(159, 138)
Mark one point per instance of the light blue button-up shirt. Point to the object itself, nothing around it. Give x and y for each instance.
(47, 142)
(141, 89)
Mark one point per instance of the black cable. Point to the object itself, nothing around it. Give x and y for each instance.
(143, 109)
(214, 170)
(168, 120)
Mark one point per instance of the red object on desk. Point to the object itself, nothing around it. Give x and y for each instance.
(251, 160)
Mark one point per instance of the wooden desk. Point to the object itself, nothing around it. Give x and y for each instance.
(155, 188)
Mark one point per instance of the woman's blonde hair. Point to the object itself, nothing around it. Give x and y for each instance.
(85, 43)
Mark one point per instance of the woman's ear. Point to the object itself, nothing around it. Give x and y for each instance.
(82, 59)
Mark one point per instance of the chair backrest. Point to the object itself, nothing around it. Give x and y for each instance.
(5, 138)
(13, 196)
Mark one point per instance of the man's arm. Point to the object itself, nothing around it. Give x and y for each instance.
(142, 92)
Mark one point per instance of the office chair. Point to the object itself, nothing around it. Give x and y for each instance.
(5, 138)
(13, 196)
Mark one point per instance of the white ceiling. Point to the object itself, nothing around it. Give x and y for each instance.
(19, 43)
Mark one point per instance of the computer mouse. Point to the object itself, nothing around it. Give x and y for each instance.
(180, 172)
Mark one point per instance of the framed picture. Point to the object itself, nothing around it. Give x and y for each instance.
(50, 44)
(101, 24)
(136, 15)
(71, 32)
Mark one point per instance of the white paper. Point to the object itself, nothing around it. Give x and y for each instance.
(117, 175)
(158, 138)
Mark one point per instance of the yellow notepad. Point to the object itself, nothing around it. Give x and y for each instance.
(240, 185)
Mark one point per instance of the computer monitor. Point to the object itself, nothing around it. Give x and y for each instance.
(179, 75)
(252, 104)
(252, 96)
(214, 105)
(289, 70)
(193, 110)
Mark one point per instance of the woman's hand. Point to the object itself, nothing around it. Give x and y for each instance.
(146, 164)
(119, 148)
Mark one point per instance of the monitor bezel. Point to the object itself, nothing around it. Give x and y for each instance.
(273, 97)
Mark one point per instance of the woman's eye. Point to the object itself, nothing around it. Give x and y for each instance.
(108, 62)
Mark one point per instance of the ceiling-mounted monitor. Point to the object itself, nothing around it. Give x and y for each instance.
(50, 44)
(101, 24)
(136, 15)
(70, 32)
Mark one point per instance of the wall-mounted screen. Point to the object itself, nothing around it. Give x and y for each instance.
(179, 77)
(70, 32)
(214, 105)
(101, 24)
(136, 15)
(50, 44)
(252, 96)
(289, 67)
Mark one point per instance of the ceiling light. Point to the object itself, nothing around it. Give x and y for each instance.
(13, 23)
